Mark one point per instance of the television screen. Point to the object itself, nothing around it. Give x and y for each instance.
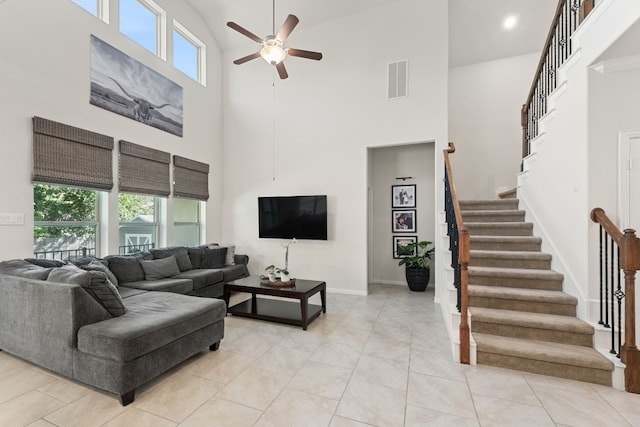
(286, 217)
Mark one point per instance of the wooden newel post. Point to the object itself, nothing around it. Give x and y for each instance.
(464, 300)
(630, 355)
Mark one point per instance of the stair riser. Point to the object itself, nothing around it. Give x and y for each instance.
(523, 305)
(596, 376)
(502, 217)
(506, 246)
(534, 264)
(532, 333)
(515, 282)
(498, 230)
(489, 205)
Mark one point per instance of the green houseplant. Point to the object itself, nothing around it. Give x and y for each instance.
(417, 266)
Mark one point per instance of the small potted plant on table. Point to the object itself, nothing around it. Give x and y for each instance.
(271, 272)
(417, 266)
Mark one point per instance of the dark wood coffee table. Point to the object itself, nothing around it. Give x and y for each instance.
(291, 313)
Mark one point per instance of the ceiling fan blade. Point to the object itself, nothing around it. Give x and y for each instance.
(288, 26)
(304, 54)
(282, 71)
(247, 58)
(243, 31)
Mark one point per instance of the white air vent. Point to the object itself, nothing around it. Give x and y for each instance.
(398, 80)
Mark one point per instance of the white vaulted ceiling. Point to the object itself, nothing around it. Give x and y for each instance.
(475, 26)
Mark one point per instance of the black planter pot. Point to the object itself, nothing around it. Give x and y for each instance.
(417, 278)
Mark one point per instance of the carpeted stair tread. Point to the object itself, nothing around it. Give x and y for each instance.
(506, 243)
(488, 204)
(520, 273)
(514, 255)
(564, 354)
(499, 228)
(532, 320)
(535, 295)
(493, 216)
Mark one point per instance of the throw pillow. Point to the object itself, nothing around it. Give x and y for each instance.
(126, 267)
(22, 268)
(213, 258)
(181, 254)
(95, 283)
(96, 265)
(160, 268)
(231, 253)
(195, 256)
(46, 263)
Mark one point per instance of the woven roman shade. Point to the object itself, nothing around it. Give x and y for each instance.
(190, 178)
(68, 155)
(144, 170)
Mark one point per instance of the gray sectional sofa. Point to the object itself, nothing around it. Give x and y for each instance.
(98, 321)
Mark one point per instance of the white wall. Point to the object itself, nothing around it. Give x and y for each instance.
(44, 71)
(557, 185)
(416, 161)
(327, 114)
(484, 122)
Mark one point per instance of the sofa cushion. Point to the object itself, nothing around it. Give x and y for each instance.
(233, 272)
(45, 262)
(202, 277)
(195, 256)
(127, 268)
(180, 252)
(126, 292)
(160, 268)
(213, 257)
(176, 285)
(94, 282)
(22, 268)
(153, 320)
(97, 265)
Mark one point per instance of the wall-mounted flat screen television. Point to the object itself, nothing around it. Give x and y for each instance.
(286, 217)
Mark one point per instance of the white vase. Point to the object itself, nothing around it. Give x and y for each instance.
(284, 277)
(272, 277)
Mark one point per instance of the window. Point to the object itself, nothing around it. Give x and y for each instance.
(189, 53)
(138, 222)
(65, 221)
(98, 8)
(144, 22)
(186, 222)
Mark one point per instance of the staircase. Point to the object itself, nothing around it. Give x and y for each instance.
(520, 317)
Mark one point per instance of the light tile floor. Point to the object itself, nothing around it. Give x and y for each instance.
(381, 360)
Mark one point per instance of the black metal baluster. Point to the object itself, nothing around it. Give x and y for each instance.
(619, 296)
(601, 279)
(613, 318)
(606, 282)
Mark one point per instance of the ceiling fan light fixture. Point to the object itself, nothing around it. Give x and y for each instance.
(273, 52)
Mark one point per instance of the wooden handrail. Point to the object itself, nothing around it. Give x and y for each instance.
(629, 260)
(463, 255)
(556, 50)
(545, 51)
(598, 216)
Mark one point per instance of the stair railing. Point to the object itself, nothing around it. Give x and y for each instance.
(619, 251)
(558, 47)
(459, 247)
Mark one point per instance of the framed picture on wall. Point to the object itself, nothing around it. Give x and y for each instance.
(400, 246)
(403, 196)
(403, 221)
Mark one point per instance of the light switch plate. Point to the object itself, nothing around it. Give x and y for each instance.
(11, 219)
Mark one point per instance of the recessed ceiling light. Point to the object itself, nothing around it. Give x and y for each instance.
(510, 22)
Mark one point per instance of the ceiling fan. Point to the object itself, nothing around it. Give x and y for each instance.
(273, 50)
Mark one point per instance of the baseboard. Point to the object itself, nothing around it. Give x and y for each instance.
(347, 292)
